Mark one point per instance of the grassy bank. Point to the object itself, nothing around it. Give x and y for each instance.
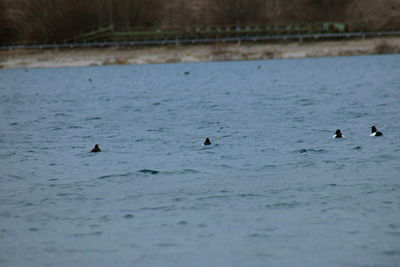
(195, 53)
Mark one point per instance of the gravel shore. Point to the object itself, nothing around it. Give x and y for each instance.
(194, 53)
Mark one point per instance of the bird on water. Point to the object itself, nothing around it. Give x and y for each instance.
(375, 132)
(207, 142)
(96, 148)
(338, 134)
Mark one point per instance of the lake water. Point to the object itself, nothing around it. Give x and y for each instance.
(274, 188)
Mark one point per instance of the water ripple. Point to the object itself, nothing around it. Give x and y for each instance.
(96, 233)
(93, 118)
(148, 171)
(163, 208)
(113, 176)
(273, 173)
(309, 150)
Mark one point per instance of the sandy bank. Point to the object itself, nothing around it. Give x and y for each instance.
(195, 53)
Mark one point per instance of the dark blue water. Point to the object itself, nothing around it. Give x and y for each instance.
(274, 188)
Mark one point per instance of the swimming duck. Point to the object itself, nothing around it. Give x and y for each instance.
(375, 132)
(96, 148)
(338, 134)
(207, 142)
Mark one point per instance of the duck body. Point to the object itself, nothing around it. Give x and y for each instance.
(207, 142)
(338, 134)
(96, 149)
(375, 132)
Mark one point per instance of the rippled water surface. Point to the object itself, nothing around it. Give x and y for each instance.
(274, 188)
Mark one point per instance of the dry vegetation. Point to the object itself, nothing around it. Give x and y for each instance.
(57, 20)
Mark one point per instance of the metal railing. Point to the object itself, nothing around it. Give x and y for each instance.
(181, 40)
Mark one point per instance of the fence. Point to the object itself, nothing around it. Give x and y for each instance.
(178, 39)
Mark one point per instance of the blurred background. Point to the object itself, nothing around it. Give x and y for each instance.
(61, 20)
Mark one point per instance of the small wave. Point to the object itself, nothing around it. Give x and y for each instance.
(209, 147)
(311, 150)
(7, 154)
(5, 214)
(329, 209)
(185, 171)
(249, 195)
(93, 118)
(386, 157)
(356, 114)
(112, 176)
(85, 251)
(28, 204)
(157, 130)
(97, 233)
(89, 154)
(283, 205)
(394, 226)
(256, 235)
(305, 102)
(165, 208)
(55, 128)
(14, 177)
(392, 252)
(148, 171)
(214, 197)
(74, 127)
(331, 185)
(167, 245)
(270, 166)
(392, 233)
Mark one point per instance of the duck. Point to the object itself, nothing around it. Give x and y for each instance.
(96, 149)
(375, 132)
(338, 134)
(207, 142)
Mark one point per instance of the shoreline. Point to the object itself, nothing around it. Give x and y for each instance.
(137, 55)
